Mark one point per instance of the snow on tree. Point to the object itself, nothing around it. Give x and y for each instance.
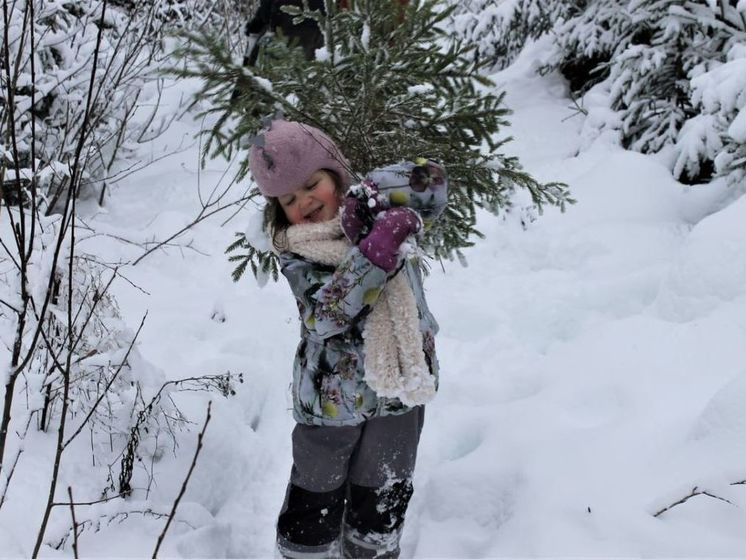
(657, 59)
(588, 39)
(720, 96)
(651, 80)
(500, 29)
(59, 51)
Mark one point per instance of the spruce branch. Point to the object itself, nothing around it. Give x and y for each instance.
(264, 263)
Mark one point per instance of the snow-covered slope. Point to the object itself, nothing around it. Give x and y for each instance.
(593, 366)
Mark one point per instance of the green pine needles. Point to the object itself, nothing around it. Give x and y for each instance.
(390, 84)
(263, 263)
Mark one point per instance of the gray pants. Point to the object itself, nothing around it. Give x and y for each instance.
(349, 488)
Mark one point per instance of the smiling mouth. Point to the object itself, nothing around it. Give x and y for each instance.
(315, 214)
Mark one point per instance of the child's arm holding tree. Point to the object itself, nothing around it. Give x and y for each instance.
(377, 222)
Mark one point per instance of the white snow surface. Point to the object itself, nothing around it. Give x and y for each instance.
(593, 368)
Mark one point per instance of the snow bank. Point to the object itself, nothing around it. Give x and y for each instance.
(710, 269)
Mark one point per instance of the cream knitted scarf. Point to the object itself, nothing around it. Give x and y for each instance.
(395, 364)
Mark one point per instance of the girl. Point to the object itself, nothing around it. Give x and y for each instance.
(366, 364)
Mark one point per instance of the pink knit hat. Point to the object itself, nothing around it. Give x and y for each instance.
(285, 156)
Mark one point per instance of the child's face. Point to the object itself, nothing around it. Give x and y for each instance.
(314, 202)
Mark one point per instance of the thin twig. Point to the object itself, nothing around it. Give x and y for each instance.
(70, 195)
(34, 196)
(95, 524)
(695, 492)
(114, 267)
(18, 229)
(200, 217)
(9, 475)
(246, 199)
(11, 307)
(87, 503)
(186, 481)
(108, 385)
(75, 522)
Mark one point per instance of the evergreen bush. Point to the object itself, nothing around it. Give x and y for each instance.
(651, 80)
(500, 29)
(658, 59)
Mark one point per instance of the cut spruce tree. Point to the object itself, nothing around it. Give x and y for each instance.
(390, 84)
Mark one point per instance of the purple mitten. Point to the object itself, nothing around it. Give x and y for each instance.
(356, 220)
(361, 205)
(390, 229)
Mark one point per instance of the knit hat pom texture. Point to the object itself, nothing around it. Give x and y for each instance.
(292, 152)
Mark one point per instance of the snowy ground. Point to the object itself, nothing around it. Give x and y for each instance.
(593, 367)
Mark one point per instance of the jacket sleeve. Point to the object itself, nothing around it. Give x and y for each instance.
(331, 300)
(421, 185)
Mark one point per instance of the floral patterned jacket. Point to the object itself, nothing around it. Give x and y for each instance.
(328, 386)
